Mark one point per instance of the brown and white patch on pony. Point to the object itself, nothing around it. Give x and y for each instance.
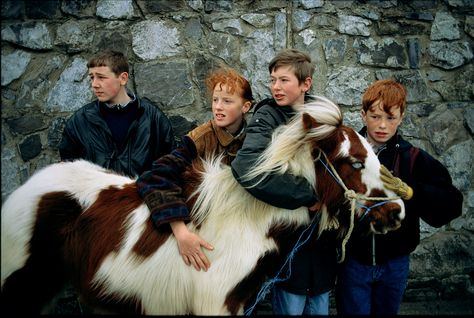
(78, 221)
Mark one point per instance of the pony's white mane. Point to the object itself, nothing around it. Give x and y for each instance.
(289, 149)
(220, 195)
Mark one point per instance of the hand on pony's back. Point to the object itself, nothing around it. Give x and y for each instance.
(189, 245)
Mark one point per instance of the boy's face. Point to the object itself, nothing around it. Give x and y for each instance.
(106, 85)
(286, 90)
(228, 109)
(381, 126)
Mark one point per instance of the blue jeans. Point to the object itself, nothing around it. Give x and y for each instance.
(285, 303)
(371, 290)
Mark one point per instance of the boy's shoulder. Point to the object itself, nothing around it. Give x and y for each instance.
(147, 104)
(412, 154)
(201, 130)
(87, 110)
(265, 102)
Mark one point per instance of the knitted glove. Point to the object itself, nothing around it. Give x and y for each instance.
(395, 184)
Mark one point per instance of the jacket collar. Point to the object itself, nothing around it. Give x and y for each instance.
(271, 101)
(132, 100)
(224, 137)
(93, 113)
(396, 142)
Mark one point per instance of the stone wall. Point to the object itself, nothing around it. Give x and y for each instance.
(426, 45)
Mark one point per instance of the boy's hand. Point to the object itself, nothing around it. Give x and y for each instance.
(189, 245)
(395, 184)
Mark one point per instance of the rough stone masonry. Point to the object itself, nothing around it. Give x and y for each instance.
(426, 45)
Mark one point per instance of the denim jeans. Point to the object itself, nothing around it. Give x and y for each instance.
(285, 303)
(371, 290)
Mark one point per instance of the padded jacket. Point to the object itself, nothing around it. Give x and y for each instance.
(435, 200)
(87, 136)
(283, 190)
(313, 267)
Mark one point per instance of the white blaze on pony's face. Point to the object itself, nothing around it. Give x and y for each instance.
(371, 177)
(387, 216)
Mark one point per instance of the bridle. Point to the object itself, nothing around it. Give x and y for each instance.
(353, 197)
(350, 195)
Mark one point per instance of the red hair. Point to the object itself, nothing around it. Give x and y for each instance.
(234, 81)
(388, 92)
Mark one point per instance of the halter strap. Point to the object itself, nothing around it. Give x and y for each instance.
(349, 195)
(352, 196)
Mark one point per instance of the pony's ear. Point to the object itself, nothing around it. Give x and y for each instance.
(309, 122)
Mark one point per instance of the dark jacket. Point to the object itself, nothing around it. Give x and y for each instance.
(284, 191)
(161, 187)
(87, 136)
(314, 265)
(435, 200)
(313, 268)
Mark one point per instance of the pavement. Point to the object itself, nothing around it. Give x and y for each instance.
(463, 307)
(70, 306)
(439, 307)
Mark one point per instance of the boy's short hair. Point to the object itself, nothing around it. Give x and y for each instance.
(389, 92)
(234, 81)
(114, 59)
(300, 61)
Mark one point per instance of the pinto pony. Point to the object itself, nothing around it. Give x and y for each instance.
(77, 221)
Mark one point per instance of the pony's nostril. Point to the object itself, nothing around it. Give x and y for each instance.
(377, 227)
(395, 215)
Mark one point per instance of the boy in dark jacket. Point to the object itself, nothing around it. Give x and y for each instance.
(314, 265)
(118, 131)
(373, 278)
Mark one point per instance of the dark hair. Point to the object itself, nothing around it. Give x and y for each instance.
(235, 82)
(388, 92)
(300, 61)
(114, 59)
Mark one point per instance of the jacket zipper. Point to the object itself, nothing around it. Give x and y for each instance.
(373, 250)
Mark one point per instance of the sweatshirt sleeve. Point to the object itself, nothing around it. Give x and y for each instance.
(164, 129)
(281, 190)
(161, 187)
(437, 201)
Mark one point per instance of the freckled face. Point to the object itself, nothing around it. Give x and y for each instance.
(381, 126)
(105, 84)
(228, 109)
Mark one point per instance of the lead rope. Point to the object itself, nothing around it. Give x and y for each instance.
(349, 195)
(268, 284)
(354, 198)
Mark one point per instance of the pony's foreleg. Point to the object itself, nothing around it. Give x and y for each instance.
(29, 288)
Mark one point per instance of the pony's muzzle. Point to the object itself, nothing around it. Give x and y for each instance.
(387, 217)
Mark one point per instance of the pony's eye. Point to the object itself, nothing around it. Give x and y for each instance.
(357, 165)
